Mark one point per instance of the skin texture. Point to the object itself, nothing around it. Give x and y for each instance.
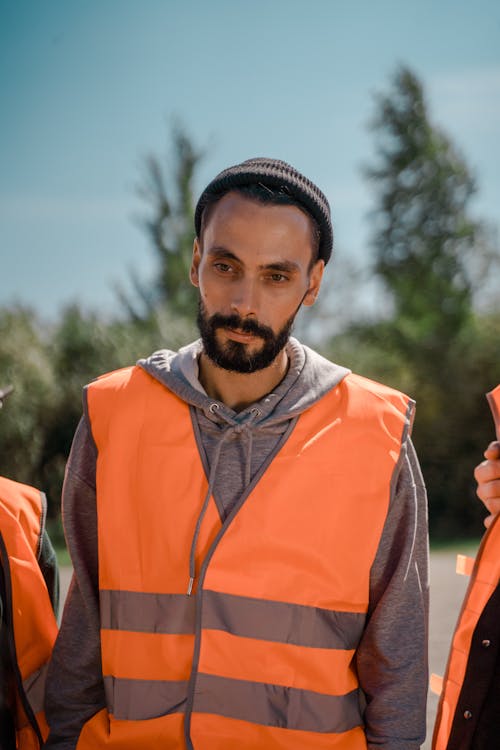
(253, 261)
(487, 476)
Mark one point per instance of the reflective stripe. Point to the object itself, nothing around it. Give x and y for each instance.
(147, 613)
(256, 702)
(34, 688)
(276, 706)
(134, 700)
(282, 622)
(240, 615)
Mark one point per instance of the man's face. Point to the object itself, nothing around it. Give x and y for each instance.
(252, 267)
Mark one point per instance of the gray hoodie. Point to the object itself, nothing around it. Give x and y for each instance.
(236, 448)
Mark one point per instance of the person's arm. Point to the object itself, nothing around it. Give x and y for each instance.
(74, 689)
(487, 475)
(392, 655)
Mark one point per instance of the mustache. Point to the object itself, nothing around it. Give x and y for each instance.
(247, 325)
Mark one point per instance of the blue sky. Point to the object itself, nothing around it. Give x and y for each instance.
(88, 89)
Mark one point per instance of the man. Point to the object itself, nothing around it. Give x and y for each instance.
(468, 716)
(28, 602)
(247, 521)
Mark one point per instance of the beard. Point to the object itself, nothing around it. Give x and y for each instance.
(233, 355)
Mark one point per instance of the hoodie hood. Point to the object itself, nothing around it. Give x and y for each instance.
(310, 376)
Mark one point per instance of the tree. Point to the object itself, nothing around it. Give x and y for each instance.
(424, 238)
(433, 344)
(24, 364)
(170, 230)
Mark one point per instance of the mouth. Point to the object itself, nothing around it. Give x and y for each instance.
(241, 336)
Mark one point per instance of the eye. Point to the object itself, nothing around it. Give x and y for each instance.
(222, 267)
(278, 278)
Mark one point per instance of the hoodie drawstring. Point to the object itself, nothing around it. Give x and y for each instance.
(243, 428)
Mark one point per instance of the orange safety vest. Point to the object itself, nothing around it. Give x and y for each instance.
(485, 578)
(31, 624)
(262, 655)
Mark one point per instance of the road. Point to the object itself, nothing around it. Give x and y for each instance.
(447, 592)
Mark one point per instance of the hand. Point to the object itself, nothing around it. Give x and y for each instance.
(487, 476)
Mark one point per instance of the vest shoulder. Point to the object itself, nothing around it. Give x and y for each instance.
(123, 386)
(123, 395)
(360, 384)
(25, 504)
(367, 398)
(14, 494)
(114, 379)
(118, 391)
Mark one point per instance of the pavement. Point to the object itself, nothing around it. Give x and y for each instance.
(447, 592)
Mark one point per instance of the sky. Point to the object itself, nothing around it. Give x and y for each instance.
(89, 89)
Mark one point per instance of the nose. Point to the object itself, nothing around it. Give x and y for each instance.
(245, 300)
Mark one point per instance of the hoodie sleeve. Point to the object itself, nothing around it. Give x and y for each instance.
(74, 689)
(392, 656)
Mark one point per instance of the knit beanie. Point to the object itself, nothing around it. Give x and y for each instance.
(273, 173)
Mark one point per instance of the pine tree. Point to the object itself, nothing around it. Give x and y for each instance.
(424, 237)
(169, 194)
(428, 253)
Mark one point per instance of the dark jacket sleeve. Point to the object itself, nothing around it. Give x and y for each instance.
(392, 657)
(75, 690)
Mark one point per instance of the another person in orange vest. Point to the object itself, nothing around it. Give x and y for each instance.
(247, 521)
(468, 716)
(29, 587)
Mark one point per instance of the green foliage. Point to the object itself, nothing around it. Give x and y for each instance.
(434, 345)
(170, 230)
(25, 364)
(456, 425)
(424, 237)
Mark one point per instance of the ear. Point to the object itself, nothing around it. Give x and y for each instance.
(314, 283)
(195, 263)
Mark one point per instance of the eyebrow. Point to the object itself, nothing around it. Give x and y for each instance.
(286, 266)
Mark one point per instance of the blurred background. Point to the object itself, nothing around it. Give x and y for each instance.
(114, 115)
